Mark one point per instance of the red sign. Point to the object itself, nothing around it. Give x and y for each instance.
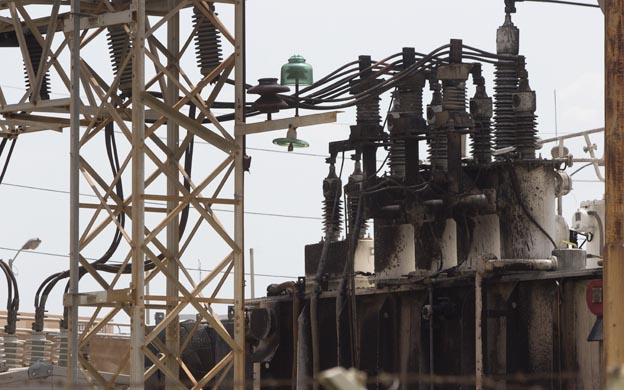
(594, 297)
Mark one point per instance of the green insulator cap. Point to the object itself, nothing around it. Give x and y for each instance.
(297, 71)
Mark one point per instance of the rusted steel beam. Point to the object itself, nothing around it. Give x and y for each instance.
(614, 194)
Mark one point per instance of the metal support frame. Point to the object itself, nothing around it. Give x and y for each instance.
(150, 171)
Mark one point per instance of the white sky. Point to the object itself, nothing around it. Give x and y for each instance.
(564, 50)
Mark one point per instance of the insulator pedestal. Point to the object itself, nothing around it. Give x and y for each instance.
(13, 351)
(63, 348)
(437, 136)
(332, 205)
(481, 111)
(37, 348)
(353, 190)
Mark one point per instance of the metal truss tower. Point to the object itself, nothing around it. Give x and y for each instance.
(156, 108)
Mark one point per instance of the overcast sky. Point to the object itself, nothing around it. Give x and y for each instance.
(564, 50)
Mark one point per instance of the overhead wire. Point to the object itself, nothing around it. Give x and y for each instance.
(562, 2)
(258, 213)
(65, 256)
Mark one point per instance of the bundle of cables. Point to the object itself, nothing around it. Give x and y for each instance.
(12, 298)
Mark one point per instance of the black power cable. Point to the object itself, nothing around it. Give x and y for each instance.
(562, 2)
(49, 283)
(8, 158)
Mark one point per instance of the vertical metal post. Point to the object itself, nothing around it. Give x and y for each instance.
(137, 320)
(252, 295)
(74, 189)
(173, 228)
(239, 191)
(252, 276)
(614, 195)
(479, 330)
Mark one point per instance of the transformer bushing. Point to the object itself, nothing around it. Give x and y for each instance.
(454, 118)
(207, 42)
(406, 124)
(353, 191)
(367, 110)
(368, 129)
(481, 111)
(524, 105)
(505, 83)
(437, 137)
(119, 48)
(34, 52)
(332, 205)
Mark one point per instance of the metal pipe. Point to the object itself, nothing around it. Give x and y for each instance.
(613, 288)
(494, 265)
(74, 197)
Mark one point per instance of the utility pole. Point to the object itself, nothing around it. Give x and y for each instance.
(614, 195)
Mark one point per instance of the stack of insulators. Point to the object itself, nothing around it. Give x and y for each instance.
(454, 96)
(38, 348)
(396, 156)
(367, 111)
(34, 52)
(207, 42)
(505, 85)
(332, 205)
(438, 145)
(406, 100)
(481, 111)
(353, 190)
(526, 136)
(119, 48)
(62, 344)
(506, 82)
(13, 351)
(525, 118)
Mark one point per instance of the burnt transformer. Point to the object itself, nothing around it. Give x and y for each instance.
(446, 267)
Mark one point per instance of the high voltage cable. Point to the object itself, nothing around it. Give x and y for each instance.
(188, 269)
(304, 217)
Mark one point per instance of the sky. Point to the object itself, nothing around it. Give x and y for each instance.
(564, 50)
